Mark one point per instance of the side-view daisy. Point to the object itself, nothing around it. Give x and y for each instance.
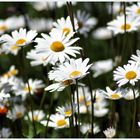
(118, 25)
(66, 110)
(16, 112)
(85, 22)
(65, 25)
(57, 121)
(113, 95)
(75, 69)
(38, 115)
(87, 128)
(129, 73)
(110, 132)
(128, 94)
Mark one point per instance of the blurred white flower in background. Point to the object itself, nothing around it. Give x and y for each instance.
(16, 112)
(38, 115)
(5, 133)
(86, 128)
(110, 132)
(65, 25)
(118, 25)
(129, 95)
(101, 67)
(41, 24)
(11, 23)
(85, 22)
(102, 33)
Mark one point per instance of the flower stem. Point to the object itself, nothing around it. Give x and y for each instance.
(77, 94)
(26, 79)
(134, 114)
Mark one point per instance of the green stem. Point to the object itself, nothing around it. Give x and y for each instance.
(78, 105)
(134, 114)
(46, 128)
(26, 78)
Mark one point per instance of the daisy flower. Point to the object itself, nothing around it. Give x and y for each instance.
(66, 110)
(129, 73)
(37, 58)
(34, 85)
(87, 128)
(118, 25)
(12, 72)
(110, 132)
(75, 69)
(19, 38)
(101, 67)
(112, 95)
(65, 25)
(139, 124)
(135, 58)
(57, 121)
(41, 24)
(57, 46)
(129, 95)
(16, 112)
(134, 10)
(4, 95)
(85, 22)
(5, 133)
(102, 33)
(11, 23)
(59, 86)
(100, 109)
(38, 115)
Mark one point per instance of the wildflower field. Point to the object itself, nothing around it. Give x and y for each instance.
(69, 69)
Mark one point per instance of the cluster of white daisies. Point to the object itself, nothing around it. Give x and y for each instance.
(59, 48)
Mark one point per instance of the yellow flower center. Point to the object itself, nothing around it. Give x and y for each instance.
(138, 11)
(68, 113)
(61, 122)
(66, 31)
(81, 98)
(67, 82)
(115, 96)
(130, 75)
(18, 114)
(75, 73)
(57, 46)
(35, 118)
(20, 41)
(26, 89)
(3, 28)
(14, 47)
(88, 103)
(126, 26)
(13, 72)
